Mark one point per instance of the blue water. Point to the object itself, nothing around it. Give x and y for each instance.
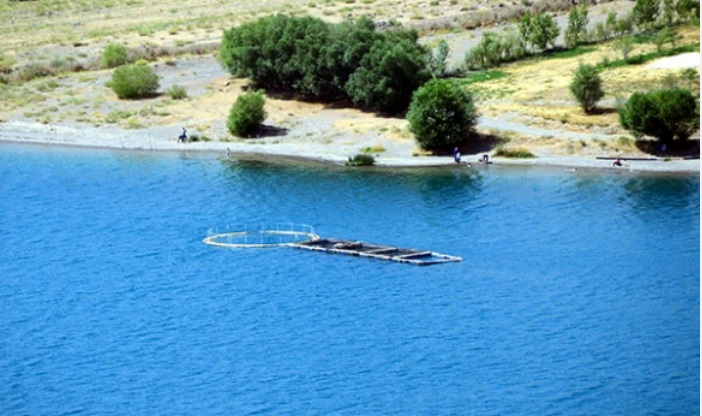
(579, 292)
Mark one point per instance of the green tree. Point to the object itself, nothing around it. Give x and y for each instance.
(576, 31)
(625, 24)
(389, 73)
(586, 86)
(134, 81)
(348, 43)
(664, 114)
(495, 48)
(688, 8)
(305, 55)
(544, 31)
(668, 12)
(279, 52)
(692, 76)
(664, 36)
(247, 113)
(114, 55)
(625, 45)
(441, 115)
(437, 60)
(645, 12)
(525, 28)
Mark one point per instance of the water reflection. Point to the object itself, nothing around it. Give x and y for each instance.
(651, 193)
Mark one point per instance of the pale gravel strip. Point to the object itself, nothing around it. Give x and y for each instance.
(335, 152)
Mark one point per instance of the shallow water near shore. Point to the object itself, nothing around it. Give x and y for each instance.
(578, 293)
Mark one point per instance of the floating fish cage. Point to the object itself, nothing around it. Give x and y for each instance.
(376, 251)
(304, 237)
(276, 235)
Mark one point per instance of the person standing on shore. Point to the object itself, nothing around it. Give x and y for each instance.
(456, 155)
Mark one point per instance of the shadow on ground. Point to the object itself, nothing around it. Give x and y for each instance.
(265, 130)
(478, 144)
(689, 149)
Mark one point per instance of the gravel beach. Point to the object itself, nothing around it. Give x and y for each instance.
(335, 152)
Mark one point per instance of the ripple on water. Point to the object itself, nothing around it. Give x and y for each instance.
(578, 293)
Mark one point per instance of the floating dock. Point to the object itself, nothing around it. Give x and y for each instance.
(375, 251)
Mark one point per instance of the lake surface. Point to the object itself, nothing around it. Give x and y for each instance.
(579, 292)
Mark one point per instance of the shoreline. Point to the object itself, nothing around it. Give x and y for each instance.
(153, 139)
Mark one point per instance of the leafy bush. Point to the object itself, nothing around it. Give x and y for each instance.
(177, 92)
(441, 115)
(134, 81)
(247, 113)
(664, 114)
(114, 55)
(586, 86)
(361, 159)
(35, 70)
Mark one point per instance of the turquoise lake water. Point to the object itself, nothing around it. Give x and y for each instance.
(579, 292)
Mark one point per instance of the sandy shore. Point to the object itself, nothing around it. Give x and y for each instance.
(157, 139)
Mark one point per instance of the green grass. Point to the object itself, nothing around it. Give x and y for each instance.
(483, 76)
(375, 149)
(647, 57)
(569, 53)
(516, 153)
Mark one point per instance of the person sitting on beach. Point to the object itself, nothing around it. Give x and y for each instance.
(183, 136)
(617, 162)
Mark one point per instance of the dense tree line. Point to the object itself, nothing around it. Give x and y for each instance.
(305, 55)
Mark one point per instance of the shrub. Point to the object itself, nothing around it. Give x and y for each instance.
(134, 81)
(247, 113)
(361, 159)
(441, 115)
(586, 86)
(664, 114)
(114, 55)
(177, 92)
(35, 70)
